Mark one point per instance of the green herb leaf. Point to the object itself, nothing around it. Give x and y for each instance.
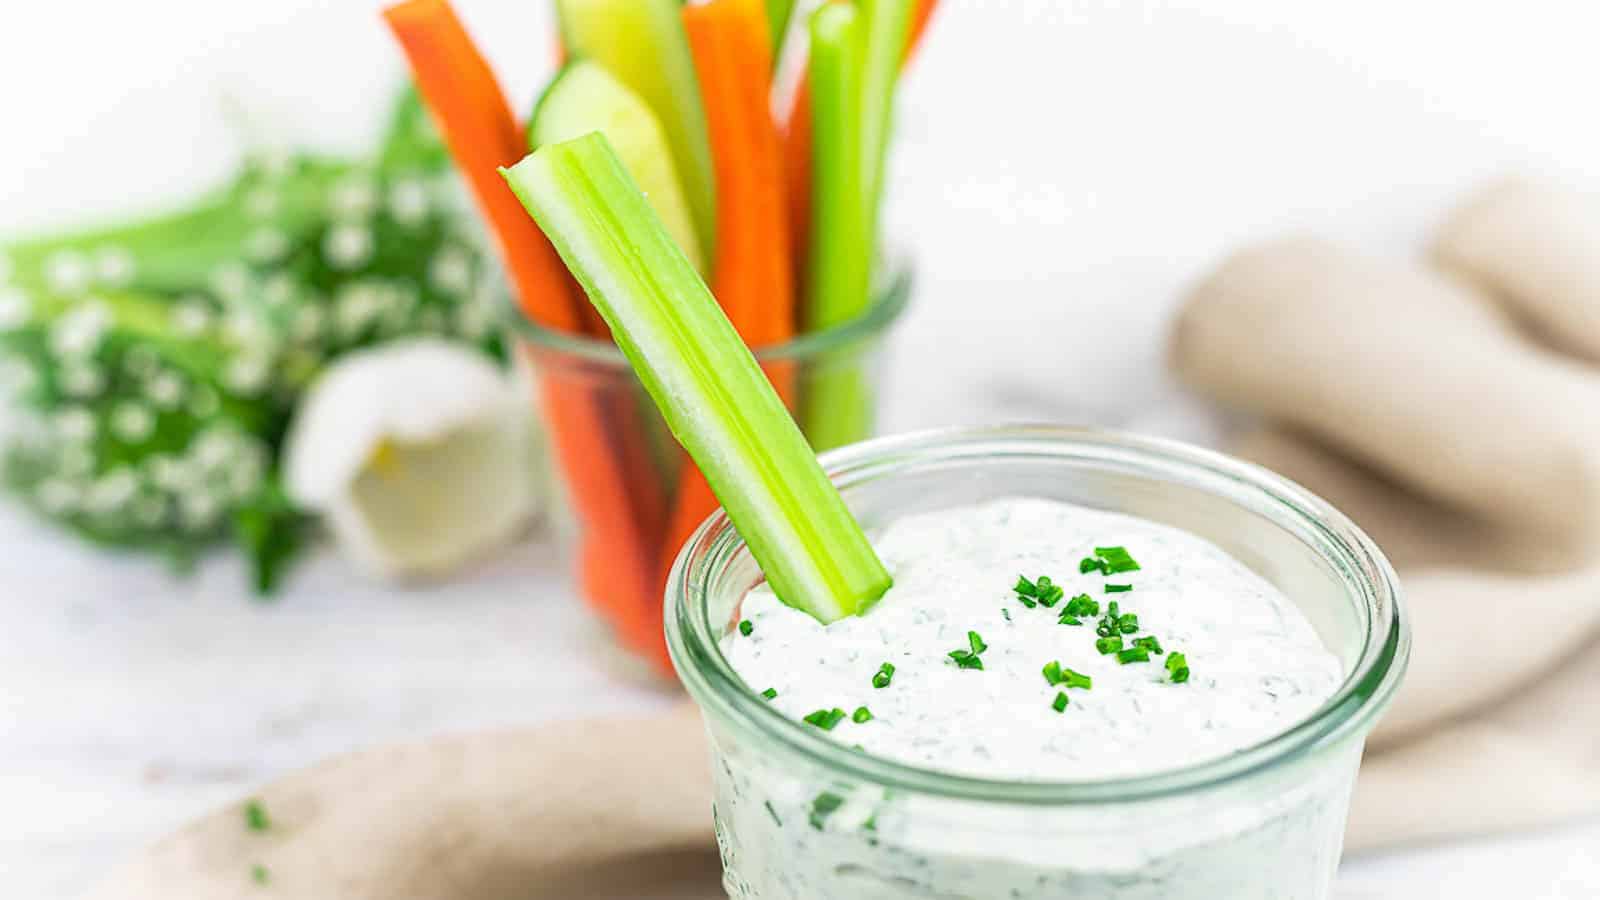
(1025, 588)
(966, 659)
(822, 806)
(1118, 588)
(255, 816)
(1061, 701)
(1076, 679)
(770, 693)
(1115, 559)
(1150, 643)
(746, 626)
(1083, 605)
(861, 716)
(1133, 655)
(826, 719)
(1069, 619)
(1052, 672)
(884, 675)
(978, 646)
(1178, 668)
(1108, 645)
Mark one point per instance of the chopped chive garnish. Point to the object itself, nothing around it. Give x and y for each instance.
(770, 693)
(1061, 701)
(978, 646)
(966, 659)
(1150, 643)
(1052, 672)
(259, 874)
(1050, 593)
(1069, 619)
(1025, 588)
(825, 719)
(883, 676)
(1005, 612)
(1118, 588)
(1113, 610)
(1076, 679)
(772, 812)
(1089, 564)
(1031, 604)
(255, 816)
(1105, 629)
(1128, 624)
(822, 806)
(1107, 645)
(1178, 668)
(1115, 559)
(1083, 605)
(861, 715)
(746, 626)
(1133, 655)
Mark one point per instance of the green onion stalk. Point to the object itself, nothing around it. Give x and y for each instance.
(154, 365)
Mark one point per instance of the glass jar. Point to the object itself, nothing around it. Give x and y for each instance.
(800, 817)
(631, 495)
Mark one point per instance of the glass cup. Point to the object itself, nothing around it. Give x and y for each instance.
(631, 496)
(800, 817)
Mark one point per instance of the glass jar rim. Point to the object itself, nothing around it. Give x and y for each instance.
(890, 296)
(1367, 689)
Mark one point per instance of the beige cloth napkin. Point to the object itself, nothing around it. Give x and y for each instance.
(1453, 410)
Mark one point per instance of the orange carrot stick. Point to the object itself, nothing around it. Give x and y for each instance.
(753, 278)
(482, 135)
(797, 146)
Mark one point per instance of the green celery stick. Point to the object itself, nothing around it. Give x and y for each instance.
(888, 25)
(702, 376)
(778, 13)
(837, 402)
(585, 97)
(643, 44)
(841, 252)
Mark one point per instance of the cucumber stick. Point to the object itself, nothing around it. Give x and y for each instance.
(584, 97)
(702, 376)
(643, 44)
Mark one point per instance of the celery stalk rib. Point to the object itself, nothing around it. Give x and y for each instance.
(888, 28)
(778, 13)
(702, 376)
(837, 401)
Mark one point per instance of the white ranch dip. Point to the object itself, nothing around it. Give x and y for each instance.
(1256, 668)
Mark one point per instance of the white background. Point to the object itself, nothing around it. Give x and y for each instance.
(1064, 169)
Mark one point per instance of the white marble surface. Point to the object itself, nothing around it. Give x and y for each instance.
(1065, 168)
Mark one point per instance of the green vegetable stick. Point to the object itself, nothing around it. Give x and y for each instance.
(702, 376)
(888, 27)
(778, 13)
(585, 97)
(643, 44)
(836, 406)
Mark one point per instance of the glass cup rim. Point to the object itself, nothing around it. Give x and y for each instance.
(1366, 691)
(890, 296)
